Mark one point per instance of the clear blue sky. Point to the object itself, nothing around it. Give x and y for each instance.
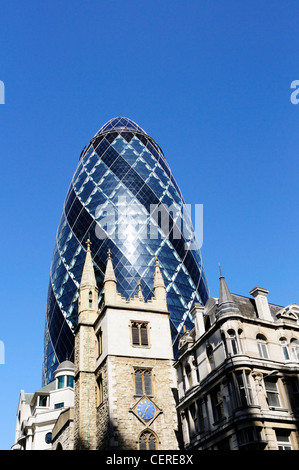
(209, 81)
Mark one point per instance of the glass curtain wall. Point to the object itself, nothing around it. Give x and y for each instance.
(121, 177)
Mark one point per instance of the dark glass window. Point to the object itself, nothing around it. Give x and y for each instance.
(70, 381)
(60, 381)
(139, 334)
(143, 335)
(272, 393)
(100, 390)
(147, 441)
(58, 405)
(143, 382)
(135, 334)
(217, 403)
(43, 400)
(244, 387)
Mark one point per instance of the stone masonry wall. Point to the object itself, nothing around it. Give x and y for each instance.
(85, 389)
(124, 426)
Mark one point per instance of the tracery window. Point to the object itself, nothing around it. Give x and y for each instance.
(140, 333)
(143, 382)
(148, 441)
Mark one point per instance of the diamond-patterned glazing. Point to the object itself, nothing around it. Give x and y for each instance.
(122, 169)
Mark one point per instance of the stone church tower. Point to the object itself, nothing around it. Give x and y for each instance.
(85, 359)
(124, 375)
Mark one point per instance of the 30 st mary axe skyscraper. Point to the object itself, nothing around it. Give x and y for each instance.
(120, 192)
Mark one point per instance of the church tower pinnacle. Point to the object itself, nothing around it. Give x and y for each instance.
(88, 291)
(226, 304)
(85, 358)
(109, 282)
(159, 286)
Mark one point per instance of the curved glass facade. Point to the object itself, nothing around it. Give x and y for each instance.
(122, 176)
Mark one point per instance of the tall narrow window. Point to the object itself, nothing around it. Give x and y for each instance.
(100, 342)
(217, 403)
(233, 342)
(143, 335)
(272, 393)
(194, 417)
(140, 333)
(135, 334)
(60, 381)
(100, 394)
(147, 441)
(43, 400)
(295, 349)
(244, 387)
(188, 375)
(90, 299)
(203, 414)
(295, 391)
(285, 349)
(143, 382)
(262, 346)
(70, 381)
(210, 356)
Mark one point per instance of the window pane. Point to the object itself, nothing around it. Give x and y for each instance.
(283, 439)
(135, 334)
(142, 443)
(147, 383)
(263, 349)
(43, 400)
(138, 383)
(286, 353)
(70, 381)
(61, 381)
(295, 350)
(144, 339)
(273, 399)
(152, 443)
(272, 394)
(99, 390)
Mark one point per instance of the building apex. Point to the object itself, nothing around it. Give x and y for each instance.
(88, 275)
(109, 273)
(88, 243)
(158, 278)
(226, 304)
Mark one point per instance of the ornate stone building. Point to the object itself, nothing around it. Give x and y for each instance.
(238, 374)
(124, 376)
(234, 386)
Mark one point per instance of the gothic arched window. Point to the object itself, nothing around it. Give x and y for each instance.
(234, 347)
(285, 349)
(148, 441)
(262, 346)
